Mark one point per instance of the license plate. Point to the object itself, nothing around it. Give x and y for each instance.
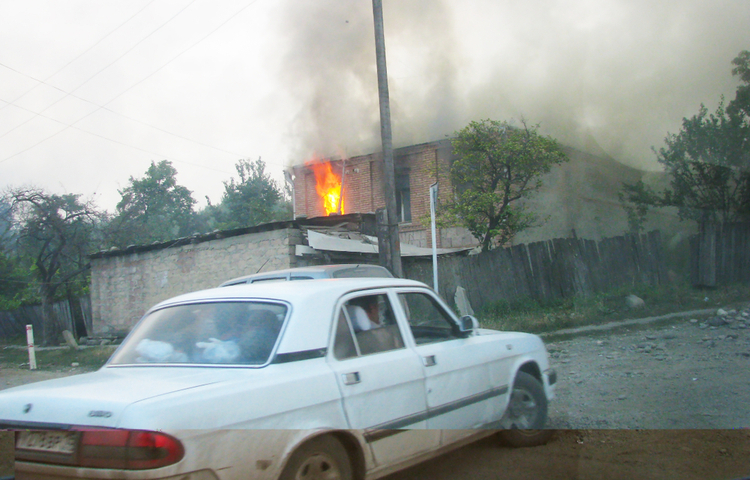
(47, 441)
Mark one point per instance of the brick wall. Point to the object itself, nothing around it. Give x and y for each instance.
(578, 198)
(124, 286)
(363, 190)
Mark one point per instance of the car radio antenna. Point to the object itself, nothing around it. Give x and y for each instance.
(264, 264)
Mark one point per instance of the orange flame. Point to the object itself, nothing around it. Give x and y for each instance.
(328, 186)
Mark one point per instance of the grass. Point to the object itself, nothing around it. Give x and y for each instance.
(89, 358)
(529, 315)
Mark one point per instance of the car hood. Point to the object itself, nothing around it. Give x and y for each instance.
(97, 398)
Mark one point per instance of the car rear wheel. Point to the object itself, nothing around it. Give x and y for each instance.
(526, 414)
(323, 458)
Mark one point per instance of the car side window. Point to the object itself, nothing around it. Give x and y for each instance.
(428, 321)
(344, 346)
(269, 279)
(366, 325)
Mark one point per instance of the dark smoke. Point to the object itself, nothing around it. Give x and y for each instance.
(607, 76)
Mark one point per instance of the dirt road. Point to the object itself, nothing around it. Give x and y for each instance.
(600, 455)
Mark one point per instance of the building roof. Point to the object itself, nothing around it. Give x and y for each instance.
(362, 222)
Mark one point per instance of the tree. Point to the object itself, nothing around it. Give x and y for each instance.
(254, 199)
(54, 232)
(706, 164)
(13, 282)
(152, 209)
(741, 103)
(498, 165)
(13, 277)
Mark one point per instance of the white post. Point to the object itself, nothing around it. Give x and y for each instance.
(30, 343)
(289, 178)
(433, 203)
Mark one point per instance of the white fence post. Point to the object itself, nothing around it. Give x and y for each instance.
(30, 342)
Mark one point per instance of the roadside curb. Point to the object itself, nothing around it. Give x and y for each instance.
(626, 323)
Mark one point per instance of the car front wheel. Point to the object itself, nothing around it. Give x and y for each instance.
(526, 414)
(322, 458)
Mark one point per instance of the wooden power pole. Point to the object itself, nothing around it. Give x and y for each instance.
(391, 255)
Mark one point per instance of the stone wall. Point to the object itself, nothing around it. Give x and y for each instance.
(125, 285)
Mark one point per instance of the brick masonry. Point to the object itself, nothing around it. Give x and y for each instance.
(124, 286)
(577, 199)
(424, 164)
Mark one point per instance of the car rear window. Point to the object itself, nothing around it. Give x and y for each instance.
(362, 272)
(219, 333)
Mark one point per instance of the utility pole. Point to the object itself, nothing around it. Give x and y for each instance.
(392, 257)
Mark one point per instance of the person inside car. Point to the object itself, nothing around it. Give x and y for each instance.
(364, 313)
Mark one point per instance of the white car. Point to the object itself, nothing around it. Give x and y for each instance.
(335, 379)
(314, 272)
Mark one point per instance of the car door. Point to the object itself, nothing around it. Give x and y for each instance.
(381, 382)
(459, 386)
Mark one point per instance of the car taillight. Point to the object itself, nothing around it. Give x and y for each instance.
(128, 449)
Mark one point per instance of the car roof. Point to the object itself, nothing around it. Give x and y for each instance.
(320, 271)
(290, 292)
(312, 304)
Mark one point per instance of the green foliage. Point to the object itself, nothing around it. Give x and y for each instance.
(706, 163)
(529, 315)
(13, 282)
(497, 166)
(54, 235)
(253, 199)
(154, 208)
(88, 359)
(741, 103)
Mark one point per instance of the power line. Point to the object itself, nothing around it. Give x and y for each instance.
(66, 126)
(100, 107)
(74, 59)
(106, 67)
(179, 54)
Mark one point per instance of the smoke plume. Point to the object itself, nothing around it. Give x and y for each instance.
(606, 76)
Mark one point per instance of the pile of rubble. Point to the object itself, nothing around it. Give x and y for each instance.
(733, 319)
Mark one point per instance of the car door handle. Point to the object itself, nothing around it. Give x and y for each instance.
(429, 361)
(351, 378)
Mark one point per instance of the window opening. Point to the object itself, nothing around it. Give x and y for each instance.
(403, 197)
(428, 321)
(371, 326)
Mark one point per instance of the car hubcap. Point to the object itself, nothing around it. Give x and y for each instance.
(522, 410)
(319, 467)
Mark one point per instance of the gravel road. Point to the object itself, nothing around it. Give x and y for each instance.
(690, 373)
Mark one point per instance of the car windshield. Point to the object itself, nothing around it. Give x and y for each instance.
(227, 333)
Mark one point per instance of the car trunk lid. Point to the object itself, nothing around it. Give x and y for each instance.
(95, 399)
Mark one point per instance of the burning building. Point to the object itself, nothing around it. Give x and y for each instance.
(356, 183)
(579, 198)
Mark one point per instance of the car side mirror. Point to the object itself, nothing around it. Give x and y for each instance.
(467, 324)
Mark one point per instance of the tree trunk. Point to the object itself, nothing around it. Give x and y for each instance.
(486, 241)
(51, 333)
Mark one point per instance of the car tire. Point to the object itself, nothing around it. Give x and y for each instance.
(320, 458)
(526, 414)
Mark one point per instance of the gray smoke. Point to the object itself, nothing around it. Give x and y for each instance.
(606, 76)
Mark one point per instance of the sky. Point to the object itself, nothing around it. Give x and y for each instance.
(92, 92)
